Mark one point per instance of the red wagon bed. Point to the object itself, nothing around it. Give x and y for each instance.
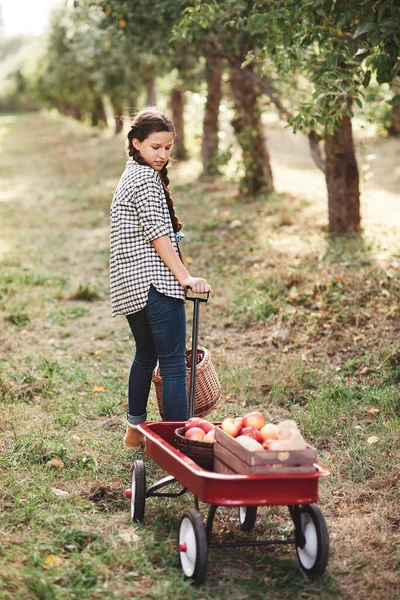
(228, 490)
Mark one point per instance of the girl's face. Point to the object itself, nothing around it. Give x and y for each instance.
(155, 149)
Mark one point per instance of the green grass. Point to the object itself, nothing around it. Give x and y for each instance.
(299, 325)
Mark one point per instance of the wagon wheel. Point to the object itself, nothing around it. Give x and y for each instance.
(138, 491)
(247, 517)
(192, 544)
(313, 549)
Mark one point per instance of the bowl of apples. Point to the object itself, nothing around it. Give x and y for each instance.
(196, 440)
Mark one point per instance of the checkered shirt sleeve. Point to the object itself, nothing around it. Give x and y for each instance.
(139, 215)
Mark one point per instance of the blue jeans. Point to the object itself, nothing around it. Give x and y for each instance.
(159, 331)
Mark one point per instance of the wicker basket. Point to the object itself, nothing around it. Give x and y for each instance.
(201, 452)
(208, 387)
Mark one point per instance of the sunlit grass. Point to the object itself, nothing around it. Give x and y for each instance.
(299, 325)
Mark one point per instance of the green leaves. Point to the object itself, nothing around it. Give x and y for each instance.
(384, 71)
(367, 78)
(258, 22)
(365, 28)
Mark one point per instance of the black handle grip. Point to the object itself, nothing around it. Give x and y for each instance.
(196, 297)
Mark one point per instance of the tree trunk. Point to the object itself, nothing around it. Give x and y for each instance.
(177, 108)
(394, 128)
(151, 93)
(98, 113)
(209, 147)
(342, 180)
(118, 110)
(72, 110)
(76, 112)
(249, 132)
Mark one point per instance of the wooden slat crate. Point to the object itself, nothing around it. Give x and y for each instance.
(231, 457)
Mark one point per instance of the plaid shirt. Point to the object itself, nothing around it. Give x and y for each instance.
(139, 214)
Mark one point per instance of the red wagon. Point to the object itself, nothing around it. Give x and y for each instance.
(246, 492)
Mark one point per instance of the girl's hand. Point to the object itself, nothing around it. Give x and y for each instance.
(198, 285)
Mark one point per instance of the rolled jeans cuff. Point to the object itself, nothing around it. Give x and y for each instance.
(134, 420)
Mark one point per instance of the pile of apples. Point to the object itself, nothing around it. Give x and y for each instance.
(199, 357)
(252, 432)
(200, 430)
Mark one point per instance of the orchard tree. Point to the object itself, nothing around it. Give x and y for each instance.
(333, 47)
(207, 25)
(147, 29)
(337, 45)
(83, 63)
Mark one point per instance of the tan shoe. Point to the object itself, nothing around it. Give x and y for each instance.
(133, 438)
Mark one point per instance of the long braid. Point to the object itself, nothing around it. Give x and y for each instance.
(176, 224)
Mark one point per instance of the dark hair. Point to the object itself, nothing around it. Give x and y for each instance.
(147, 121)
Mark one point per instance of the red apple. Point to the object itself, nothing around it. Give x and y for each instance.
(192, 422)
(254, 419)
(195, 433)
(239, 420)
(253, 433)
(269, 432)
(205, 425)
(230, 427)
(209, 437)
(267, 444)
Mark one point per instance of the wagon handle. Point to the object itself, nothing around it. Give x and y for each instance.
(195, 333)
(197, 297)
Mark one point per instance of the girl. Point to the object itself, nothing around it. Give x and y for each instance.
(147, 275)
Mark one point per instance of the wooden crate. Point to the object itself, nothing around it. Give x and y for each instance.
(229, 456)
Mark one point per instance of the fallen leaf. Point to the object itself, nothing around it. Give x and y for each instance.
(267, 580)
(99, 388)
(58, 492)
(235, 223)
(265, 388)
(55, 463)
(128, 536)
(365, 370)
(373, 411)
(359, 505)
(373, 439)
(53, 561)
(189, 260)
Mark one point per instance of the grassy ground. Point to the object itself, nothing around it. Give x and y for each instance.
(299, 325)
